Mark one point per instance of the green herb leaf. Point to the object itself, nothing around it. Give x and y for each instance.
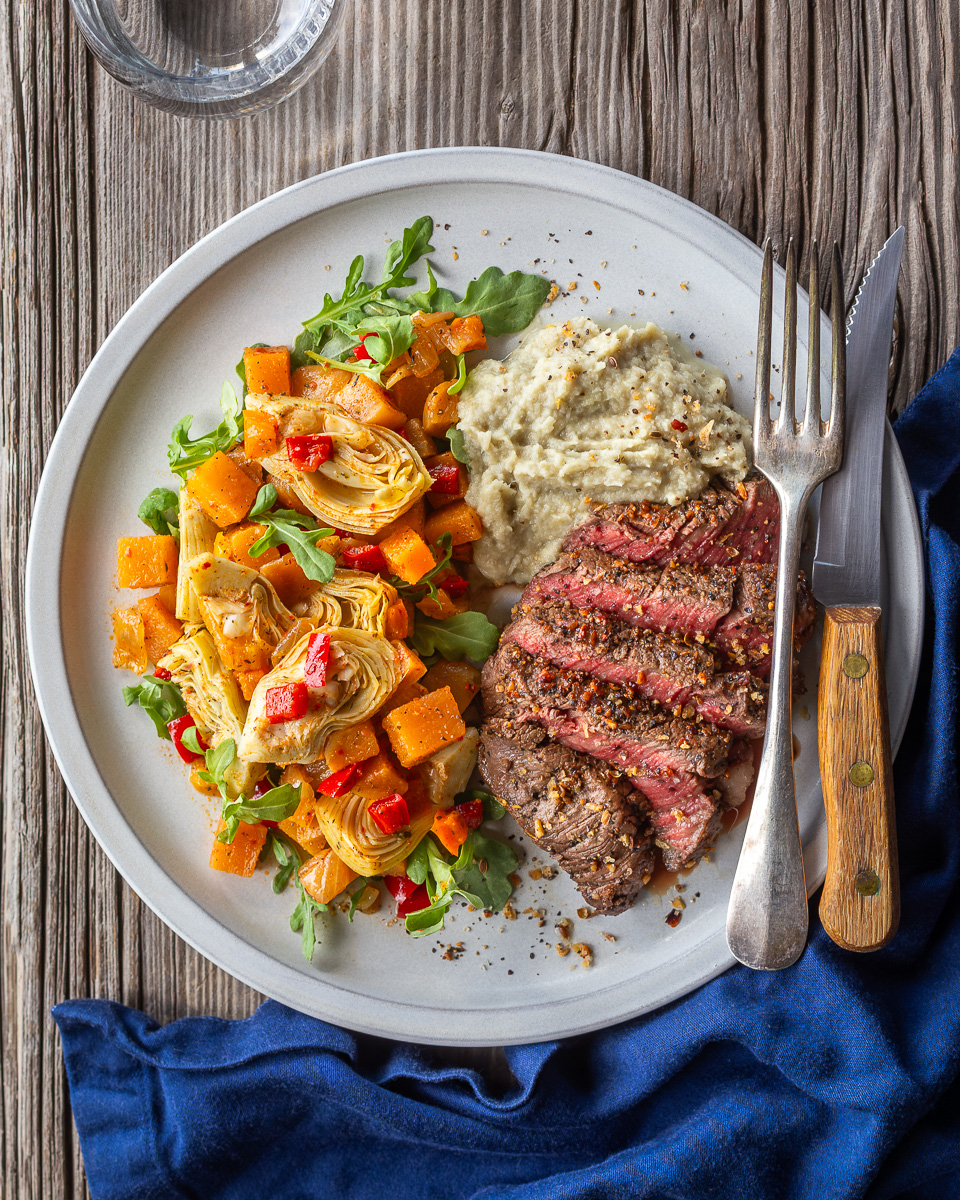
(185, 453)
(401, 255)
(394, 335)
(160, 511)
(465, 635)
(276, 805)
(302, 918)
(190, 738)
(480, 875)
(288, 861)
(160, 699)
(300, 533)
(488, 877)
(217, 759)
(461, 379)
(423, 301)
(458, 446)
(426, 585)
(430, 919)
(505, 303)
(355, 897)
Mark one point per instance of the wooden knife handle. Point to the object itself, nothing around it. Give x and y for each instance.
(860, 905)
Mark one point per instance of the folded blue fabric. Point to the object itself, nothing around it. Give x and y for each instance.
(837, 1078)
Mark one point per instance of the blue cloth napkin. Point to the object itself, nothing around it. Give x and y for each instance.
(837, 1078)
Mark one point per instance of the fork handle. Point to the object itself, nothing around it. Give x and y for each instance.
(860, 905)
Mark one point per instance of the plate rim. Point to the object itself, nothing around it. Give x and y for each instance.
(91, 397)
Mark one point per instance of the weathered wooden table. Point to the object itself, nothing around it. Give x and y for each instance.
(835, 120)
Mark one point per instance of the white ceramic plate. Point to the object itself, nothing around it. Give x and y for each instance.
(255, 279)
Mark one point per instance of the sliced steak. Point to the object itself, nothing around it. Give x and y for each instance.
(580, 811)
(675, 599)
(745, 634)
(608, 720)
(681, 677)
(726, 523)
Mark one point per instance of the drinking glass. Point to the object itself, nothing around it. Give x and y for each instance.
(210, 58)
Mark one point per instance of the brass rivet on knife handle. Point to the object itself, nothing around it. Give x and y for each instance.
(860, 906)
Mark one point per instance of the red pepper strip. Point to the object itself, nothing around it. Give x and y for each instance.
(678, 425)
(365, 558)
(287, 703)
(410, 896)
(261, 787)
(445, 479)
(340, 781)
(177, 729)
(318, 660)
(454, 585)
(472, 813)
(361, 353)
(162, 673)
(391, 813)
(309, 451)
(403, 433)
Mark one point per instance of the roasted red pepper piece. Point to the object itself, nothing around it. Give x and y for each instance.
(445, 479)
(318, 660)
(454, 585)
(340, 781)
(410, 896)
(678, 425)
(287, 703)
(309, 451)
(472, 813)
(162, 673)
(391, 813)
(177, 729)
(361, 353)
(365, 558)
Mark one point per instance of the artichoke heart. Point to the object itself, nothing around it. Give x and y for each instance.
(212, 699)
(245, 616)
(373, 476)
(361, 599)
(361, 674)
(354, 837)
(197, 535)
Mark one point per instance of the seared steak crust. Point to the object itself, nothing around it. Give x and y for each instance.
(726, 523)
(680, 676)
(613, 721)
(745, 634)
(580, 811)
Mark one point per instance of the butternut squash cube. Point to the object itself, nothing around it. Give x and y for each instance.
(289, 580)
(424, 726)
(267, 369)
(146, 561)
(459, 520)
(380, 778)
(223, 490)
(461, 678)
(440, 410)
(161, 628)
(261, 434)
(407, 555)
(235, 544)
(239, 857)
(325, 876)
(129, 647)
(348, 746)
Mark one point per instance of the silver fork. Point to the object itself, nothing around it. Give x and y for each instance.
(767, 916)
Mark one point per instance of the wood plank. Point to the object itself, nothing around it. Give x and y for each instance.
(835, 121)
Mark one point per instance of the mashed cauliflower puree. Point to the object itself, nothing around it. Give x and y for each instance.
(577, 411)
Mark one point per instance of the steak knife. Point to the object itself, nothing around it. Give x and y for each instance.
(860, 905)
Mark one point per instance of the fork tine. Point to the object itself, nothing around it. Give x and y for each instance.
(811, 419)
(761, 402)
(788, 390)
(838, 382)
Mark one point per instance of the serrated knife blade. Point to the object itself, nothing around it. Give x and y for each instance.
(846, 568)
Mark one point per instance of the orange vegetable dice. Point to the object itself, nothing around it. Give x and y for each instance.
(267, 369)
(223, 490)
(459, 520)
(303, 826)
(463, 334)
(440, 410)
(203, 786)
(450, 830)
(414, 518)
(168, 597)
(403, 695)
(407, 555)
(380, 778)
(461, 678)
(410, 393)
(409, 664)
(424, 726)
(421, 441)
(247, 681)
(348, 746)
(235, 544)
(239, 857)
(366, 401)
(287, 577)
(440, 499)
(261, 434)
(129, 647)
(317, 381)
(325, 876)
(146, 561)
(441, 608)
(161, 628)
(462, 553)
(397, 622)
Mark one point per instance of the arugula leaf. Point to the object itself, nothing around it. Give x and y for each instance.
(428, 920)
(413, 245)
(184, 453)
(505, 303)
(160, 510)
(276, 805)
(461, 379)
(480, 875)
(217, 759)
(458, 446)
(302, 919)
(300, 533)
(423, 301)
(488, 877)
(465, 635)
(160, 699)
(191, 739)
(394, 335)
(426, 584)
(288, 861)
(355, 897)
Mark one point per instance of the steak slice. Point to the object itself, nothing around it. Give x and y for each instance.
(726, 523)
(745, 634)
(674, 598)
(580, 811)
(608, 720)
(685, 823)
(678, 676)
